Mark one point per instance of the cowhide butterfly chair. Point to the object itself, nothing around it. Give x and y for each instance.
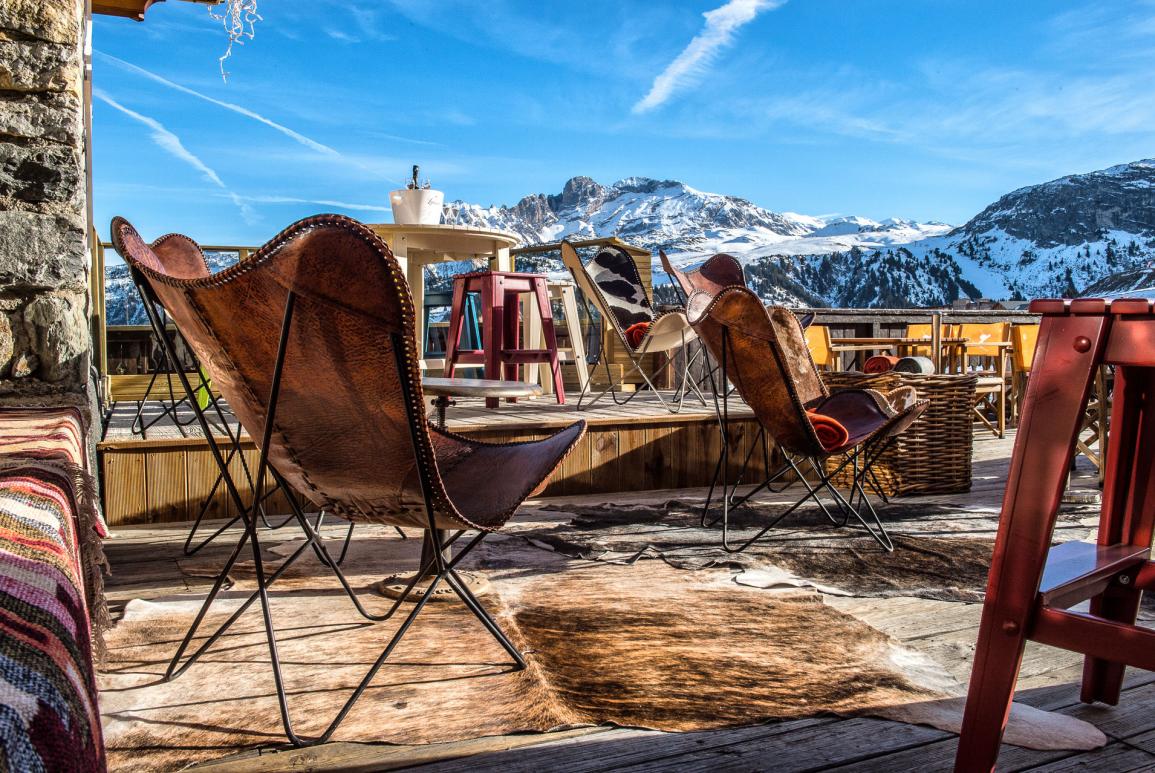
(177, 250)
(312, 342)
(611, 282)
(762, 351)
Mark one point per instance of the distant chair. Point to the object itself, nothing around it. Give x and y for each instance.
(821, 347)
(762, 352)
(989, 343)
(313, 343)
(714, 275)
(1024, 338)
(920, 330)
(612, 283)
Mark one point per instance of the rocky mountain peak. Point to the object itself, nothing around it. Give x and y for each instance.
(579, 193)
(1074, 210)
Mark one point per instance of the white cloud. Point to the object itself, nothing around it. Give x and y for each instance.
(320, 202)
(285, 130)
(172, 144)
(341, 35)
(691, 64)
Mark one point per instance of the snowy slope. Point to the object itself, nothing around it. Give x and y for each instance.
(1082, 233)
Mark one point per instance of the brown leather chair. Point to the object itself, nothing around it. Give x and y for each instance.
(186, 257)
(312, 342)
(762, 351)
(713, 276)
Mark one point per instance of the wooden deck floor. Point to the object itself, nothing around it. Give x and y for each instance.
(142, 559)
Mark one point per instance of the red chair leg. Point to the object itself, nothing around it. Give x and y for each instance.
(511, 335)
(1128, 514)
(456, 321)
(545, 312)
(493, 311)
(1068, 352)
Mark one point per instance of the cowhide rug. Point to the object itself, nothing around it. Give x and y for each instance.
(933, 557)
(640, 645)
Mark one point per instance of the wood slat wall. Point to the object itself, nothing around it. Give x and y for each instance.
(163, 481)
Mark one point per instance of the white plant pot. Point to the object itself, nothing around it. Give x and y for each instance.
(417, 206)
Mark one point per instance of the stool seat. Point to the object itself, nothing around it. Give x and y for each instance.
(502, 351)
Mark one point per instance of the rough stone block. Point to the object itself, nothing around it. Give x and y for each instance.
(48, 176)
(57, 21)
(51, 117)
(57, 326)
(35, 66)
(42, 251)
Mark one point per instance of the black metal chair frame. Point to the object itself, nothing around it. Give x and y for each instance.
(165, 365)
(438, 563)
(155, 312)
(860, 459)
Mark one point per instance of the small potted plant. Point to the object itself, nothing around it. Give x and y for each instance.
(417, 203)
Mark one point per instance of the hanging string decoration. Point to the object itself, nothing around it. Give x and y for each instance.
(239, 20)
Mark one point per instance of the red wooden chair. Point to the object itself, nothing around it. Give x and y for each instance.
(1033, 586)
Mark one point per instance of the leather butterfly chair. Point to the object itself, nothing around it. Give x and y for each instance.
(716, 274)
(762, 352)
(187, 256)
(612, 283)
(327, 296)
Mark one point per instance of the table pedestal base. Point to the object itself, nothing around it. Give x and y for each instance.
(394, 587)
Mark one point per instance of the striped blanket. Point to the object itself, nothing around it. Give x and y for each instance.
(50, 561)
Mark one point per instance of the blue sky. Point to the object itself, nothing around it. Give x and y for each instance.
(927, 109)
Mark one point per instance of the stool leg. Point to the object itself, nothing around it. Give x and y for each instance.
(545, 312)
(1056, 399)
(1128, 513)
(453, 335)
(493, 311)
(511, 335)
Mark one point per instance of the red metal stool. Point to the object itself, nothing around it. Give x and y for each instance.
(501, 351)
(1033, 586)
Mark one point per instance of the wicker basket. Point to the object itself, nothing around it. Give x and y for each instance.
(933, 456)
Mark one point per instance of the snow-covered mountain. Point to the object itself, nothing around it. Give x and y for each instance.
(1056, 238)
(687, 223)
(1082, 234)
(1059, 238)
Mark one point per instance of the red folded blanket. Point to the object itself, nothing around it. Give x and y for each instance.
(831, 433)
(636, 332)
(880, 363)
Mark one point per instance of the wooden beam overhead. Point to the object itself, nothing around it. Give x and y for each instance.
(133, 9)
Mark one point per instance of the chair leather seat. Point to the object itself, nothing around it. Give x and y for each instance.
(487, 481)
(866, 413)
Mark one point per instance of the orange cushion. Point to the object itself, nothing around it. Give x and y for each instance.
(831, 433)
(636, 332)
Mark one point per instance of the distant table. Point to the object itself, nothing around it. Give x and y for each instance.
(899, 344)
(442, 390)
(417, 246)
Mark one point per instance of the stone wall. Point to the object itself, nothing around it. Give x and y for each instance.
(45, 344)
